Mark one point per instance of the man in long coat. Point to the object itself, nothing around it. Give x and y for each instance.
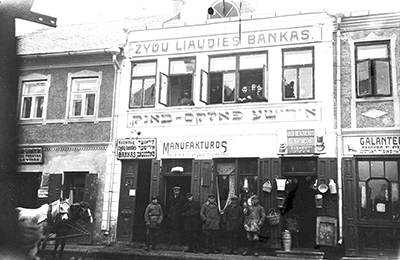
(254, 219)
(210, 216)
(176, 203)
(233, 222)
(191, 222)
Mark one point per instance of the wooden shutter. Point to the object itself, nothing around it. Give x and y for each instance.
(90, 190)
(269, 169)
(350, 224)
(55, 185)
(196, 179)
(327, 169)
(206, 177)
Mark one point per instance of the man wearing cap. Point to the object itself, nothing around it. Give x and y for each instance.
(210, 216)
(232, 222)
(191, 221)
(254, 219)
(153, 217)
(176, 202)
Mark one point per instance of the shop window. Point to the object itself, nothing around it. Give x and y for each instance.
(74, 184)
(233, 79)
(143, 83)
(84, 94)
(373, 76)
(176, 89)
(298, 74)
(378, 189)
(222, 9)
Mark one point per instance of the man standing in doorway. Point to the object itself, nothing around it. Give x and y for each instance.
(176, 203)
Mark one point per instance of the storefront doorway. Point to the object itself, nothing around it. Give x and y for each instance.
(300, 191)
(27, 184)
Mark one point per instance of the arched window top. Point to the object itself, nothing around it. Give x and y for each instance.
(223, 9)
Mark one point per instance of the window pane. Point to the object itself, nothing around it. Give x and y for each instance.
(85, 84)
(39, 106)
(378, 192)
(290, 81)
(363, 195)
(34, 87)
(178, 86)
(248, 167)
(391, 170)
(252, 61)
(381, 77)
(90, 98)
(372, 52)
(149, 92)
(77, 107)
(363, 170)
(144, 69)
(297, 57)
(363, 79)
(377, 169)
(136, 93)
(306, 83)
(250, 81)
(26, 109)
(229, 87)
(182, 66)
(223, 64)
(216, 88)
(395, 192)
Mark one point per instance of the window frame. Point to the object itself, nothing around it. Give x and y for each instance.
(85, 74)
(216, 14)
(366, 214)
(143, 78)
(208, 77)
(298, 67)
(371, 68)
(28, 79)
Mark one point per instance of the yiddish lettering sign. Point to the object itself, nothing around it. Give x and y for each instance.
(130, 148)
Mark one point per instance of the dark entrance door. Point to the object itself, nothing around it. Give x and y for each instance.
(303, 210)
(142, 200)
(27, 185)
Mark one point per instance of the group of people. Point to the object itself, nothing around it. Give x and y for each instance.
(251, 93)
(186, 214)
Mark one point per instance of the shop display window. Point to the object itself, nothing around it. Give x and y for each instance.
(176, 88)
(378, 189)
(373, 77)
(235, 79)
(143, 82)
(298, 74)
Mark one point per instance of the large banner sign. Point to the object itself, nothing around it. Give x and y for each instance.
(131, 148)
(371, 145)
(197, 148)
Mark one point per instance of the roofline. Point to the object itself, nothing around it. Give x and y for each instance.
(113, 51)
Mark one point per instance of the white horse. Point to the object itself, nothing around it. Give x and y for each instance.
(45, 217)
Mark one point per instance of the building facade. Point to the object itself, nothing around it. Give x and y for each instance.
(369, 93)
(227, 106)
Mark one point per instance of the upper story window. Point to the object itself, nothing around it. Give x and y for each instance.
(222, 9)
(373, 76)
(231, 79)
(143, 85)
(378, 189)
(177, 88)
(298, 74)
(34, 98)
(84, 94)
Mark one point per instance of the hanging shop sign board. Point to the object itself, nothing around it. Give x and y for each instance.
(135, 148)
(30, 155)
(379, 144)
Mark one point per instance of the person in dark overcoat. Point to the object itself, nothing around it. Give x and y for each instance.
(153, 217)
(233, 222)
(191, 222)
(210, 216)
(176, 202)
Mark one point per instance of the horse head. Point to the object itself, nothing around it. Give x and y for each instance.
(64, 210)
(81, 211)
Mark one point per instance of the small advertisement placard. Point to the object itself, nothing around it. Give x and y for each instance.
(135, 148)
(30, 155)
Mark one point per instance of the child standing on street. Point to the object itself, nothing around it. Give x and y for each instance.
(153, 217)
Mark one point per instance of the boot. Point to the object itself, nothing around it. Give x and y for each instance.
(207, 244)
(248, 249)
(213, 244)
(234, 245)
(257, 248)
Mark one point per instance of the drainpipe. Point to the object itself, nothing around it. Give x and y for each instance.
(113, 136)
(339, 125)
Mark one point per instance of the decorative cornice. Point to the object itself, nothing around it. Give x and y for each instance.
(76, 148)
